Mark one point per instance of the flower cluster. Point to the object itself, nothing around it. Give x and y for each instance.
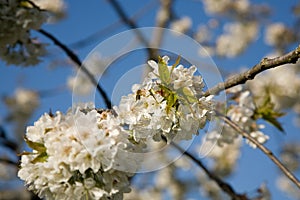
(225, 157)
(16, 44)
(290, 156)
(243, 29)
(168, 103)
(279, 36)
(241, 111)
(77, 155)
(281, 85)
(56, 8)
(92, 153)
(242, 33)
(79, 83)
(21, 106)
(182, 25)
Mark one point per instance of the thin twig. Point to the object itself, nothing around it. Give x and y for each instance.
(223, 185)
(266, 63)
(9, 144)
(111, 27)
(78, 63)
(131, 24)
(8, 161)
(161, 22)
(264, 149)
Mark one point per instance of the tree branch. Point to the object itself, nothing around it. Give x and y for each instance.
(131, 24)
(78, 63)
(266, 63)
(264, 149)
(111, 27)
(161, 22)
(223, 185)
(10, 162)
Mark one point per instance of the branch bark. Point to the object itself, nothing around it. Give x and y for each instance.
(111, 27)
(161, 22)
(10, 162)
(227, 188)
(264, 149)
(79, 64)
(265, 64)
(152, 54)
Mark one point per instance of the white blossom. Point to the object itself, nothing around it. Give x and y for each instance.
(285, 185)
(216, 6)
(225, 157)
(16, 44)
(75, 156)
(241, 112)
(203, 34)
(171, 108)
(55, 7)
(290, 156)
(182, 25)
(280, 84)
(224, 6)
(259, 136)
(236, 38)
(21, 107)
(278, 35)
(79, 83)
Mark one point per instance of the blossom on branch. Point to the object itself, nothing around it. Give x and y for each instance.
(76, 155)
(168, 103)
(241, 111)
(17, 46)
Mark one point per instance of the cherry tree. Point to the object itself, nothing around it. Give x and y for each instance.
(207, 82)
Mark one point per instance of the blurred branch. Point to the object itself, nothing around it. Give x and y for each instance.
(264, 149)
(6, 142)
(265, 64)
(162, 20)
(131, 24)
(78, 63)
(108, 29)
(9, 144)
(10, 162)
(223, 185)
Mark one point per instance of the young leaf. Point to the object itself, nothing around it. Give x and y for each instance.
(40, 158)
(170, 96)
(266, 111)
(188, 95)
(35, 145)
(163, 71)
(175, 64)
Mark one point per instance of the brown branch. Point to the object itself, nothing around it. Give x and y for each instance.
(131, 24)
(10, 162)
(111, 27)
(266, 63)
(166, 7)
(264, 149)
(79, 64)
(222, 184)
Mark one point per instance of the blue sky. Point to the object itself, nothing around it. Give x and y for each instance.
(86, 18)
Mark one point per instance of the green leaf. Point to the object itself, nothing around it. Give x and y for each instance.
(35, 145)
(163, 71)
(170, 96)
(175, 64)
(40, 158)
(273, 121)
(188, 95)
(267, 112)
